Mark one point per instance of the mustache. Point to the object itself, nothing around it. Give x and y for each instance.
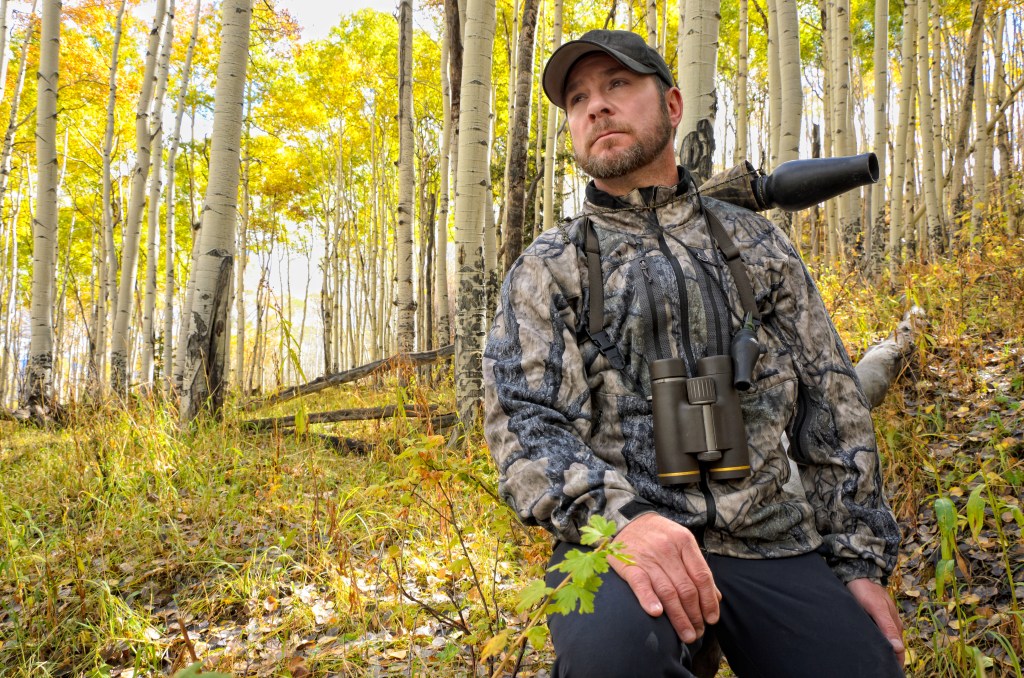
(605, 128)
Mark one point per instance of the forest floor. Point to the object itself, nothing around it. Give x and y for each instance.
(131, 548)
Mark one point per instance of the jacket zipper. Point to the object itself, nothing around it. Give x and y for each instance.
(684, 320)
(655, 311)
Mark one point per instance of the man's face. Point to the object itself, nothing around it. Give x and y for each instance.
(618, 119)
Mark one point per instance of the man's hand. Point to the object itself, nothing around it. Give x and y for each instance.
(669, 574)
(877, 602)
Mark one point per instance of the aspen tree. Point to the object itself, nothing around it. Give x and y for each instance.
(966, 98)
(549, 140)
(206, 343)
(443, 329)
(3, 48)
(136, 202)
(742, 107)
(651, 19)
(924, 100)
(153, 220)
(982, 147)
(876, 223)
(842, 129)
(39, 378)
(472, 189)
(774, 85)
(700, 56)
(12, 125)
(908, 52)
(520, 137)
(169, 247)
(406, 302)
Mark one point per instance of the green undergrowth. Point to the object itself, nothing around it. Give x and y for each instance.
(129, 547)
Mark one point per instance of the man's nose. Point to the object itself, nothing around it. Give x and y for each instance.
(597, 106)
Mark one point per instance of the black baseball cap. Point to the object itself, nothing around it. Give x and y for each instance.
(626, 47)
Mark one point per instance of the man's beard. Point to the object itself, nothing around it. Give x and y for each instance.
(643, 151)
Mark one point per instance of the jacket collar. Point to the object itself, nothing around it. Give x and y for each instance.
(646, 196)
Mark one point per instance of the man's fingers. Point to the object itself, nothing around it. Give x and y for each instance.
(682, 607)
(640, 583)
(698, 572)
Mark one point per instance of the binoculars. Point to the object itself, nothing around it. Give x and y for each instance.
(698, 420)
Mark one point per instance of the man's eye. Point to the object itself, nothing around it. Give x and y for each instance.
(576, 99)
(617, 83)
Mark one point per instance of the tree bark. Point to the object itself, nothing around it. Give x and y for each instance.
(406, 183)
(742, 69)
(39, 380)
(549, 139)
(119, 367)
(206, 343)
(899, 169)
(966, 100)
(929, 170)
(520, 137)
(444, 326)
(153, 221)
(700, 57)
(876, 224)
(172, 155)
(472, 189)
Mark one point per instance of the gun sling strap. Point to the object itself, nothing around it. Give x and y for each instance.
(595, 317)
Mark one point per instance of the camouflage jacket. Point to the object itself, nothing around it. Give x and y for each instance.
(572, 436)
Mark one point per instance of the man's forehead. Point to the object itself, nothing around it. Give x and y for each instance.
(604, 63)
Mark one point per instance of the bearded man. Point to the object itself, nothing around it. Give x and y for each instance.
(788, 574)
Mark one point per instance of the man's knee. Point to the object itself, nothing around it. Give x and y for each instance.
(618, 639)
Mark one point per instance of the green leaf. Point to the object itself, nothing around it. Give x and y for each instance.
(597, 528)
(566, 600)
(944, 574)
(583, 565)
(301, 421)
(945, 514)
(976, 511)
(537, 636)
(532, 595)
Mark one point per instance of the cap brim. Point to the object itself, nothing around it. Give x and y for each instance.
(558, 66)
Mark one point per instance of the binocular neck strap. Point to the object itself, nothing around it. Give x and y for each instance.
(595, 316)
(732, 258)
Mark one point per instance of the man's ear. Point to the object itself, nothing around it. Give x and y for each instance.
(674, 103)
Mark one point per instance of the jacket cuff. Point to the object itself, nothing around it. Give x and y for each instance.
(631, 510)
(847, 570)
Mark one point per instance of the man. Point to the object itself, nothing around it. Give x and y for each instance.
(789, 579)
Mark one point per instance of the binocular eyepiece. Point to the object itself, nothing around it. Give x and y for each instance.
(698, 420)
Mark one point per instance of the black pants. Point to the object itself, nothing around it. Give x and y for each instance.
(783, 618)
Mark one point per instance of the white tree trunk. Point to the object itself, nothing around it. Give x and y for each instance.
(207, 319)
(471, 193)
(172, 154)
(155, 186)
(899, 169)
(442, 319)
(549, 143)
(406, 184)
(742, 107)
(39, 386)
(700, 57)
(928, 168)
(876, 223)
(119, 340)
(651, 17)
(108, 261)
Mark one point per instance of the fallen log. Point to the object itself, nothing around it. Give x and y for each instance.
(884, 361)
(356, 414)
(354, 374)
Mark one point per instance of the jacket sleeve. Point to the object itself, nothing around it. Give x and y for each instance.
(832, 435)
(538, 414)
